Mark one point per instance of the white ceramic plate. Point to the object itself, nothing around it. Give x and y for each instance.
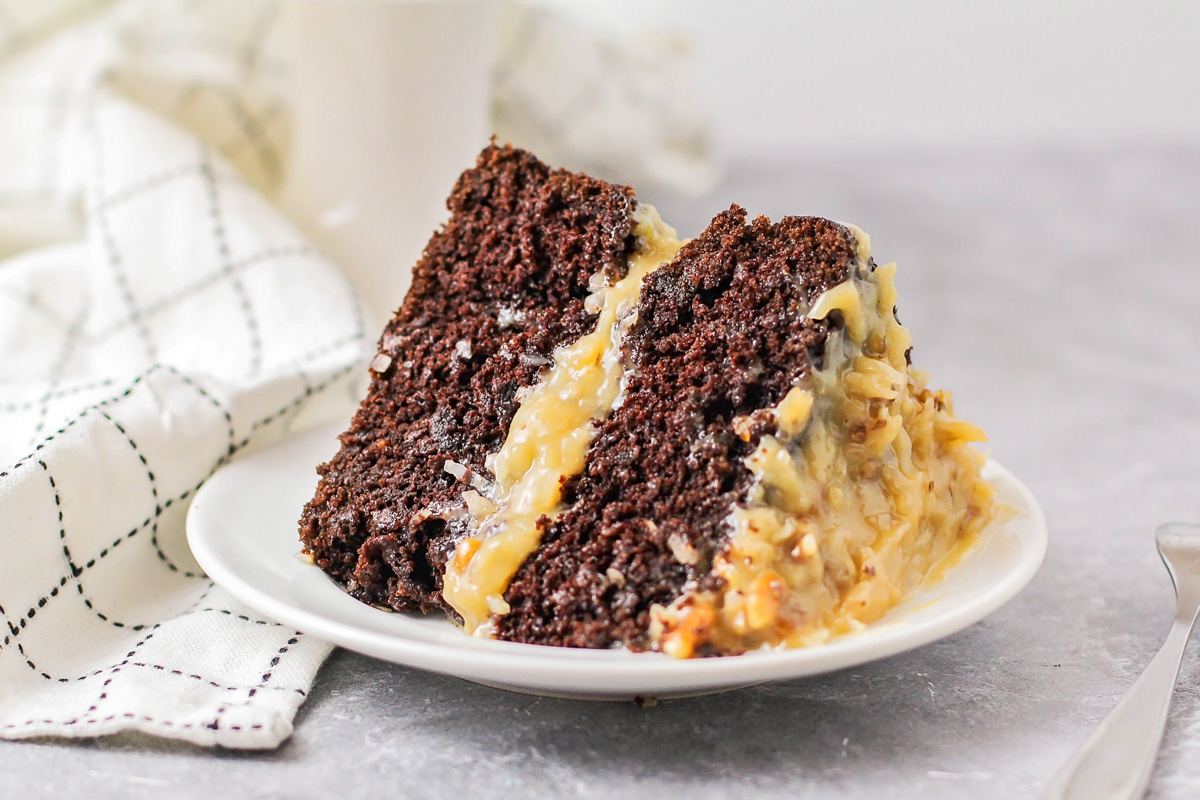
(242, 529)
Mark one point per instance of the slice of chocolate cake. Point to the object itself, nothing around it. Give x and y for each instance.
(580, 434)
(497, 290)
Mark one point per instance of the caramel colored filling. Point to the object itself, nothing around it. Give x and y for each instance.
(549, 439)
(867, 483)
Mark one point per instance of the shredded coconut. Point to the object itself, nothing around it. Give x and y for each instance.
(509, 317)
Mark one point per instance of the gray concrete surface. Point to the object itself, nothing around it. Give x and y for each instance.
(1058, 295)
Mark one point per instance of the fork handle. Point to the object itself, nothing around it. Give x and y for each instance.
(1117, 760)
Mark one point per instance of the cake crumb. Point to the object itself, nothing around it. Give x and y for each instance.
(381, 362)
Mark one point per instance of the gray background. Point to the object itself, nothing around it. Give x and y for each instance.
(848, 75)
(1056, 293)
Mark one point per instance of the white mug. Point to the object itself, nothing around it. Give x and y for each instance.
(391, 104)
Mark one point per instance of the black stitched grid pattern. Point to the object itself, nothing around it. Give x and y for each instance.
(209, 65)
(191, 322)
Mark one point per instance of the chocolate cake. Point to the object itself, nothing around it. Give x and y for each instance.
(582, 432)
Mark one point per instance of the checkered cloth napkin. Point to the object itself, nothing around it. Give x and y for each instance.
(158, 317)
(178, 321)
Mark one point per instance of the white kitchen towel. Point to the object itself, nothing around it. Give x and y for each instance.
(183, 323)
(159, 316)
(603, 89)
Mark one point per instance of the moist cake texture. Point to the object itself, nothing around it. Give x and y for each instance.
(495, 292)
(583, 432)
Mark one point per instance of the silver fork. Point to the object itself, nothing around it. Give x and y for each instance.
(1116, 762)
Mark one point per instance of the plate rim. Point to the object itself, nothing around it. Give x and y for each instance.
(508, 664)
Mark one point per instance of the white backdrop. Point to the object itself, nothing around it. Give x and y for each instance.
(875, 74)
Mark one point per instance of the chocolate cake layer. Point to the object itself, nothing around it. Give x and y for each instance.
(583, 432)
(721, 332)
(498, 288)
